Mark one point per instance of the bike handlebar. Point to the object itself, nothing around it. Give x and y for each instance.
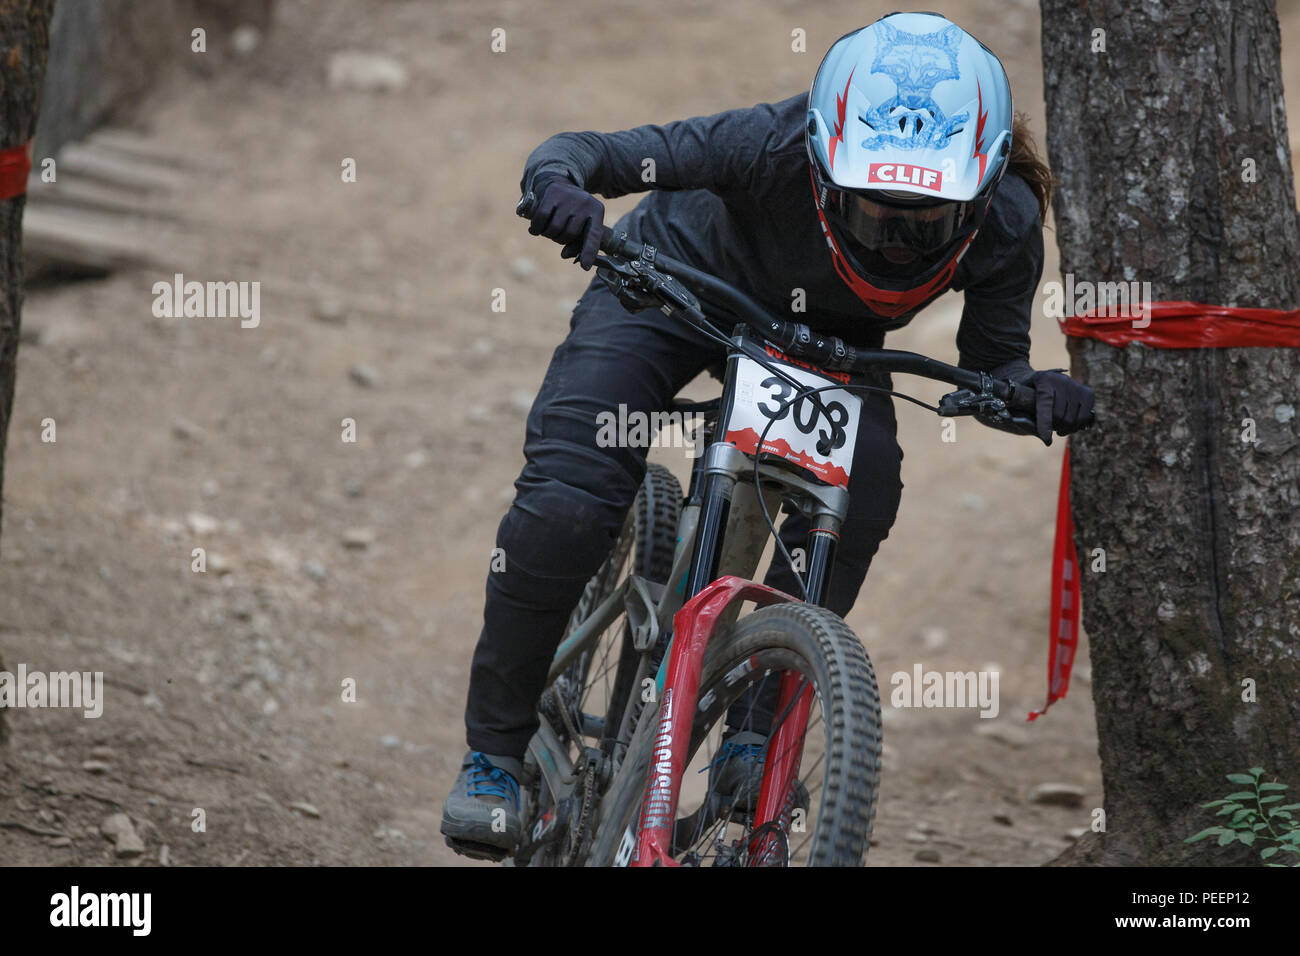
(826, 351)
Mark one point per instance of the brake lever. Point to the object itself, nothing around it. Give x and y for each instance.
(988, 409)
(967, 401)
(628, 285)
(638, 285)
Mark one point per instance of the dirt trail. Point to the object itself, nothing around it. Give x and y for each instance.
(225, 688)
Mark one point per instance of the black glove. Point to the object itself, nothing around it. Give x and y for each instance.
(1064, 405)
(569, 215)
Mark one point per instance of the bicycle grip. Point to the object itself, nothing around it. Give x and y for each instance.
(528, 204)
(1023, 398)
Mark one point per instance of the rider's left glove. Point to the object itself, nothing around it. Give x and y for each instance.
(1064, 405)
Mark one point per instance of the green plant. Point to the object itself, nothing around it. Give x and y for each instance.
(1273, 830)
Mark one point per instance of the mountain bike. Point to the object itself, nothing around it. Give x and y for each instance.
(659, 668)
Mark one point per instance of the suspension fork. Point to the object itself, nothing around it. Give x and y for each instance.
(706, 599)
(714, 486)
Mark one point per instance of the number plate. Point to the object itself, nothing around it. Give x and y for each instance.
(757, 399)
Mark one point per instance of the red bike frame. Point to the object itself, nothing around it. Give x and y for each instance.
(693, 626)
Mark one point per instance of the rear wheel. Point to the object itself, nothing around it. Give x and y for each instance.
(838, 775)
(599, 683)
(586, 705)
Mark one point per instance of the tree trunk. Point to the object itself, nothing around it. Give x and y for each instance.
(24, 45)
(1201, 590)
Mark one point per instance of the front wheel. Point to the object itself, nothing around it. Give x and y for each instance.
(831, 805)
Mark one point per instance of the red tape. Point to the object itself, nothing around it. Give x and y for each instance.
(1161, 325)
(1188, 325)
(15, 167)
(1065, 597)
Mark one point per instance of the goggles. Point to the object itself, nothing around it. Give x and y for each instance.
(875, 222)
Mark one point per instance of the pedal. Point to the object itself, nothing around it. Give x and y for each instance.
(477, 851)
(548, 828)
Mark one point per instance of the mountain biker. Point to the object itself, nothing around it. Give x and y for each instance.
(902, 174)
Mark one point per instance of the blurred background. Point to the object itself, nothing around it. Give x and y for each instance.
(329, 561)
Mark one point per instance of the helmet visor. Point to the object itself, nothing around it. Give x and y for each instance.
(877, 224)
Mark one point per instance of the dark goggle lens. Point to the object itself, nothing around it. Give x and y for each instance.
(876, 225)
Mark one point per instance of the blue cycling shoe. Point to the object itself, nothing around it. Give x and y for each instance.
(480, 818)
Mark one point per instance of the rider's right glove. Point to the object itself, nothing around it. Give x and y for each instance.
(569, 215)
(1064, 405)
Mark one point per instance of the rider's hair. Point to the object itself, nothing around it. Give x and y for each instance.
(1028, 165)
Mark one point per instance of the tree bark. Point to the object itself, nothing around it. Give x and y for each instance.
(1201, 589)
(24, 46)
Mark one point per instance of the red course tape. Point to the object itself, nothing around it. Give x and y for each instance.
(1065, 597)
(15, 166)
(1188, 325)
(1163, 325)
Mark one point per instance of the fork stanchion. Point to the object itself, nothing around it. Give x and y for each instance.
(822, 540)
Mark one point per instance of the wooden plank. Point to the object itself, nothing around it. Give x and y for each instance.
(96, 197)
(80, 161)
(81, 243)
(131, 144)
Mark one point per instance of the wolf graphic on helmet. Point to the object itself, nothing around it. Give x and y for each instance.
(916, 63)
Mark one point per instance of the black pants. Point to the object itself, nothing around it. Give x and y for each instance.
(573, 495)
